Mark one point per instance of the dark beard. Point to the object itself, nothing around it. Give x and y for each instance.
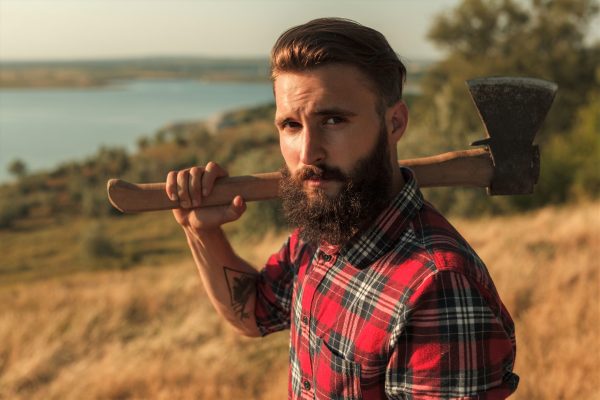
(365, 193)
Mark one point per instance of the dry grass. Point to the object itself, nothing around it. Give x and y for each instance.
(150, 332)
(546, 267)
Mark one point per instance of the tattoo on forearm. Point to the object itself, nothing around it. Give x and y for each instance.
(240, 286)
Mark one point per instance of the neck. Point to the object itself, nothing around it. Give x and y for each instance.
(397, 181)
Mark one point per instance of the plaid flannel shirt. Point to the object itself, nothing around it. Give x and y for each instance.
(406, 311)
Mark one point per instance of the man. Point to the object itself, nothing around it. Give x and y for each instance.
(383, 298)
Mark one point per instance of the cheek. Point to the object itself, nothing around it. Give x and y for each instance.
(288, 152)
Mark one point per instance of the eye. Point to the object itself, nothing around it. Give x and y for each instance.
(334, 120)
(289, 126)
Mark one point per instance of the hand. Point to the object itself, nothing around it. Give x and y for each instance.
(189, 186)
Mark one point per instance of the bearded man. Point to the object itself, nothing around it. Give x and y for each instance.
(383, 298)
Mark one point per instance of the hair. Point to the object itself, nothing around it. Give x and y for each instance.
(326, 41)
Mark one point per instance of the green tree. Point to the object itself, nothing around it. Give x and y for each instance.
(18, 168)
(570, 166)
(537, 38)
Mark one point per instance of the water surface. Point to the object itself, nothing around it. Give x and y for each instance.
(44, 127)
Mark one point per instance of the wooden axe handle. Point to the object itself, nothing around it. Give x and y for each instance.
(457, 168)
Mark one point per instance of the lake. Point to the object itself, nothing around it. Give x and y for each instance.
(44, 127)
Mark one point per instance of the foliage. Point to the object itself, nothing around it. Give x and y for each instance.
(243, 141)
(96, 245)
(10, 212)
(537, 38)
(543, 39)
(18, 168)
(570, 168)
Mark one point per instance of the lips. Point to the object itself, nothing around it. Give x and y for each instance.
(322, 174)
(316, 181)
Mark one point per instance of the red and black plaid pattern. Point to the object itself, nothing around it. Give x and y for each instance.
(406, 311)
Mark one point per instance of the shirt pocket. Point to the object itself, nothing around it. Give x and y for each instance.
(334, 376)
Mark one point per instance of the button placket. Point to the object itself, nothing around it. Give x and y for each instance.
(312, 280)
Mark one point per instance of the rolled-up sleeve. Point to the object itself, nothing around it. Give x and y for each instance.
(451, 344)
(274, 290)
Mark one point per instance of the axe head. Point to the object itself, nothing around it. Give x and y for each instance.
(512, 111)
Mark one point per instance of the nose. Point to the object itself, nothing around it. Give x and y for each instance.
(312, 150)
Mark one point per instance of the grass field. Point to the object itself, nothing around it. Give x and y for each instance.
(149, 332)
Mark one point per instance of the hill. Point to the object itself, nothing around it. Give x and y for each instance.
(101, 305)
(151, 333)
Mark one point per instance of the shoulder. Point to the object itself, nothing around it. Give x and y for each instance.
(446, 249)
(433, 254)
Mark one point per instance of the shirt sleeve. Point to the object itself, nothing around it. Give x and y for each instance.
(274, 290)
(451, 345)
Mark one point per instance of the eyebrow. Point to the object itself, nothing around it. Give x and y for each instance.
(335, 111)
(325, 112)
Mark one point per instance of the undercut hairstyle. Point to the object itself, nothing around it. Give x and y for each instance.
(326, 41)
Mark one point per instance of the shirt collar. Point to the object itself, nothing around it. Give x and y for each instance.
(388, 228)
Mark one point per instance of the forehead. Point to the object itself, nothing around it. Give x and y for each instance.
(332, 85)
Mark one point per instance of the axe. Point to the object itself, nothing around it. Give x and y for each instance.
(512, 111)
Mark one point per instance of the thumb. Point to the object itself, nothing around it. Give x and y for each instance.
(235, 210)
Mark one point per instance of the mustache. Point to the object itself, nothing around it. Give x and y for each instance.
(321, 172)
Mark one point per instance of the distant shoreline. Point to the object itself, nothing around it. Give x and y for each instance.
(87, 74)
(101, 73)
(109, 84)
(49, 84)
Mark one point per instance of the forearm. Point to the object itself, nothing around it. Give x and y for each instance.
(229, 281)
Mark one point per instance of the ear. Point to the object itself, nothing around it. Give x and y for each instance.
(396, 120)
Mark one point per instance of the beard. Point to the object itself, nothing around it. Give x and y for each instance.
(365, 192)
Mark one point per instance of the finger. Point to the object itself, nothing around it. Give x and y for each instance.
(195, 185)
(183, 188)
(213, 217)
(171, 186)
(235, 210)
(212, 172)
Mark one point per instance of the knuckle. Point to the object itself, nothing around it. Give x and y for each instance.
(182, 175)
(196, 171)
(171, 177)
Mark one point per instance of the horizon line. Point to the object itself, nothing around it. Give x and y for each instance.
(58, 60)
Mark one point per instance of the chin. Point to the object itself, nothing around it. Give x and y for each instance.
(331, 190)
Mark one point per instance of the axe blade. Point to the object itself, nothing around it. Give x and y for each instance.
(512, 110)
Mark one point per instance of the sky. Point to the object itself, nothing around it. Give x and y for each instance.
(91, 29)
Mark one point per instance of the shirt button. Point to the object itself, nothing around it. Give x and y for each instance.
(305, 320)
(326, 257)
(307, 385)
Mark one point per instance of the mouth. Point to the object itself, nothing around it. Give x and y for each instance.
(320, 178)
(321, 183)
(316, 182)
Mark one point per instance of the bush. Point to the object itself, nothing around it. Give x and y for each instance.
(11, 211)
(94, 203)
(96, 244)
(569, 164)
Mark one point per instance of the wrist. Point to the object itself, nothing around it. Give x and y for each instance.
(202, 235)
